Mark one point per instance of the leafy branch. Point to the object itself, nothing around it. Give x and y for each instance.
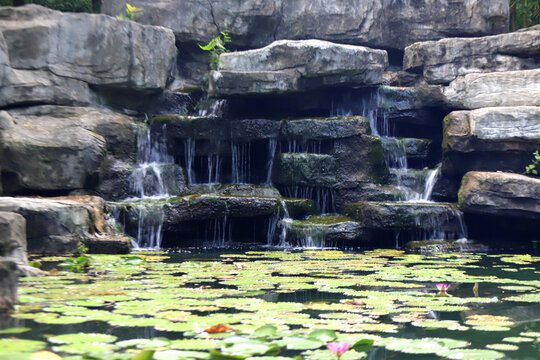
(534, 167)
(216, 47)
(132, 13)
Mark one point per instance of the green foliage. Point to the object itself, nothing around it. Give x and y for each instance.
(132, 13)
(6, 2)
(524, 13)
(65, 5)
(534, 167)
(80, 264)
(81, 248)
(216, 47)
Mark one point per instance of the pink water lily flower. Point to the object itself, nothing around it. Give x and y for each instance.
(338, 348)
(442, 288)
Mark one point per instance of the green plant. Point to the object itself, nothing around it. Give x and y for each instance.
(80, 264)
(524, 13)
(81, 248)
(534, 167)
(132, 13)
(216, 47)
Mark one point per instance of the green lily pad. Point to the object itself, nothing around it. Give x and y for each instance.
(471, 354)
(20, 345)
(82, 338)
(503, 347)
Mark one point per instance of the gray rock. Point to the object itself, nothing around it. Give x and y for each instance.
(385, 24)
(323, 231)
(406, 216)
(254, 129)
(72, 158)
(235, 190)
(58, 225)
(490, 139)
(325, 128)
(63, 53)
(443, 61)
(497, 193)
(510, 88)
(415, 150)
(287, 66)
(13, 243)
(8, 285)
(317, 170)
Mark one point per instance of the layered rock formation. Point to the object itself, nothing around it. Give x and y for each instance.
(67, 57)
(296, 66)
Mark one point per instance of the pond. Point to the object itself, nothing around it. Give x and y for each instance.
(281, 305)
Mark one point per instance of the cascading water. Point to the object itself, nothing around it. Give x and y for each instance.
(241, 163)
(272, 146)
(323, 197)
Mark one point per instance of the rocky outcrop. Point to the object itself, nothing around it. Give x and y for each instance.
(325, 128)
(306, 169)
(323, 231)
(66, 56)
(255, 23)
(56, 148)
(13, 242)
(490, 139)
(503, 194)
(443, 61)
(8, 285)
(296, 66)
(61, 225)
(510, 88)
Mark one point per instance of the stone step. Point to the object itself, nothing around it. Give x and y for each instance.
(423, 216)
(324, 230)
(317, 170)
(292, 66)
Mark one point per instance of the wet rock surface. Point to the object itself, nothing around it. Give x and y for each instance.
(8, 285)
(66, 55)
(288, 66)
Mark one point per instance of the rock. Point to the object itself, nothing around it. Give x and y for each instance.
(325, 128)
(254, 129)
(428, 217)
(13, 243)
(60, 225)
(317, 170)
(235, 190)
(504, 194)
(255, 23)
(33, 160)
(429, 247)
(416, 151)
(410, 111)
(443, 61)
(510, 88)
(287, 66)
(158, 179)
(8, 285)
(490, 139)
(66, 55)
(299, 208)
(322, 231)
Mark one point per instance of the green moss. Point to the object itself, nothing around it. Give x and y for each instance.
(463, 183)
(168, 118)
(326, 219)
(446, 122)
(380, 172)
(6, 2)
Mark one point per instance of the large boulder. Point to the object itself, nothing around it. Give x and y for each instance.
(8, 285)
(381, 23)
(317, 170)
(61, 225)
(50, 57)
(288, 66)
(55, 148)
(443, 61)
(503, 194)
(510, 88)
(490, 139)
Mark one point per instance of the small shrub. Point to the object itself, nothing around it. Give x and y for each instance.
(216, 47)
(534, 167)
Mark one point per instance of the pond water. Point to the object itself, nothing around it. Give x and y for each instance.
(281, 305)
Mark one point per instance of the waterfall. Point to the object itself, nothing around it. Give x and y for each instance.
(323, 197)
(304, 146)
(241, 163)
(431, 180)
(149, 227)
(221, 232)
(189, 155)
(214, 166)
(272, 145)
(147, 179)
